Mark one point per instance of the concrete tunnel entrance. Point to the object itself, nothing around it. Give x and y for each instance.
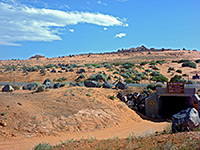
(163, 105)
(170, 105)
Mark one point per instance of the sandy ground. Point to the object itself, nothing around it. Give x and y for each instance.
(121, 131)
(29, 118)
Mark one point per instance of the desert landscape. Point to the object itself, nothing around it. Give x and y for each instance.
(72, 101)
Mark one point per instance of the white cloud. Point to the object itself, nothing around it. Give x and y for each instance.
(101, 3)
(23, 23)
(105, 29)
(71, 30)
(120, 35)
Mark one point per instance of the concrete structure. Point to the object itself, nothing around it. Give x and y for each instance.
(163, 105)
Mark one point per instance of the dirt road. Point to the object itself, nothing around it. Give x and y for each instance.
(123, 130)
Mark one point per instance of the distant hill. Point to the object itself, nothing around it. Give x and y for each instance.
(37, 56)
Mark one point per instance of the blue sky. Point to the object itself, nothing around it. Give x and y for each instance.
(59, 28)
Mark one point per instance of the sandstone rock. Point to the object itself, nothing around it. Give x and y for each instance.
(30, 86)
(185, 120)
(91, 83)
(7, 88)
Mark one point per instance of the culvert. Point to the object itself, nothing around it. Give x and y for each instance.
(163, 105)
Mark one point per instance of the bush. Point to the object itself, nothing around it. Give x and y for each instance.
(189, 64)
(177, 78)
(159, 78)
(152, 63)
(155, 68)
(174, 61)
(43, 146)
(160, 62)
(179, 71)
(143, 63)
(184, 75)
(112, 97)
(41, 88)
(197, 61)
(129, 81)
(151, 86)
(49, 66)
(155, 73)
(127, 65)
(126, 75)
(15, 87)
(137, 78)
(88, 94)
(183, 61)
(60, 79)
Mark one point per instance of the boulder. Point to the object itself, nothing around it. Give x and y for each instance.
(185, 120)
(81, 71)
(71, 70)
(53, 71)
(107, 84)
(7, 88)
(56, 85)
(120, 85)
(47, 83)
(30, 86)
(91, 84)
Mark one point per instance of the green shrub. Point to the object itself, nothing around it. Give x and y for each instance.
(88, 94)
(147, 70)
(184, 75)
(49, 66)
(177, 78)
(174, 61)
(189, 64)
(127, 65)
(112, 97)
(126, 75)
(137, 78)
(116, 72)
(155, 73)
(15, 87)
(155, 68)
(183, 61)
(159, 78)
(117, 64)
(94, 65)
(43, 146)
(143, 63)
(197, 61)
(160, 62)
(151, 86)
(129, 81)
(179, 71)
(60, 79)
(41, 88)
(152, 63)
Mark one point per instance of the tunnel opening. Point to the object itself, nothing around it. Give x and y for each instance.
(170, 105)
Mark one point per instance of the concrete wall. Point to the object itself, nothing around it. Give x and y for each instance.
(155, 105)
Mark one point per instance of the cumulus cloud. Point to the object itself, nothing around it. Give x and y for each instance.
(71, 30)
(120, 35)
(23, 23)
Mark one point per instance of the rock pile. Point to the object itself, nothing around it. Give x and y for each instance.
(135, 101)
(185, 120)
